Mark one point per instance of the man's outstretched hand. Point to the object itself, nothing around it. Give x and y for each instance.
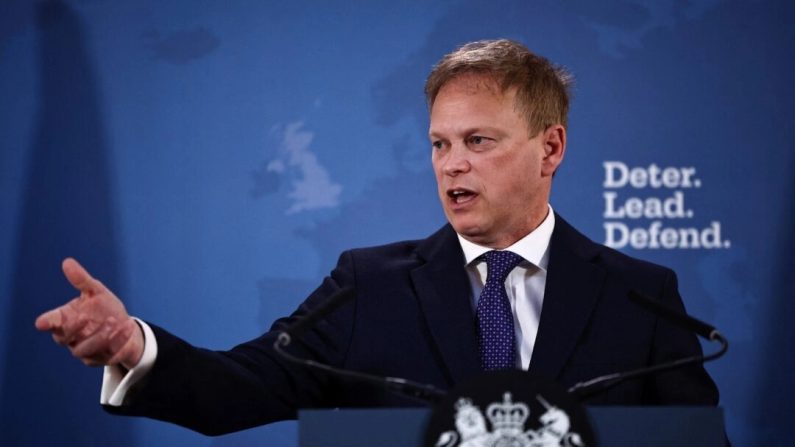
(94, 326)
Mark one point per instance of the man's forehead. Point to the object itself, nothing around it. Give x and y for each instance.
(471, 84)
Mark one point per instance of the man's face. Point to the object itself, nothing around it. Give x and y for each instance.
(493, 178)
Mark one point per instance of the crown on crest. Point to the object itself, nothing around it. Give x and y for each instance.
(463, 404)
(507, 415)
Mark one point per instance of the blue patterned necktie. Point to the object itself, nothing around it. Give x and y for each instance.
(497, 339)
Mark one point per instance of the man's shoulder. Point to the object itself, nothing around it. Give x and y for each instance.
(566, 237)
(405, 253)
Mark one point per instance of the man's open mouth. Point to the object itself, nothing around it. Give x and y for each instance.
(460, 195)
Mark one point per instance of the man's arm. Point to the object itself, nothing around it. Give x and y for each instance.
(212, 392)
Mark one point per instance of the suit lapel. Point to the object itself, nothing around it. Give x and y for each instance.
(444, 294)
(573, 286)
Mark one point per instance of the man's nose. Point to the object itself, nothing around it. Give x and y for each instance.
(457, 161)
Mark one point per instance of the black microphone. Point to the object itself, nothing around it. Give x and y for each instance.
(601, 383)
(404, 387)
(310, 318)
(680, 319)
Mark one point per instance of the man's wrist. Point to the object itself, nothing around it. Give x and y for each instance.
(117, 382)
(137, 346)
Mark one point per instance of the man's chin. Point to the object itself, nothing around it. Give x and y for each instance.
(468, 230)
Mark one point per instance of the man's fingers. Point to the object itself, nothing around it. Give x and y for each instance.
(107, 346)
(79, 329)
(74, 327)
(78, 276)
(49, 320)
(68, 324)
(59, 318)
(95, 347)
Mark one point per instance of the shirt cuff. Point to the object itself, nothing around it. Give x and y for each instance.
(116, 382)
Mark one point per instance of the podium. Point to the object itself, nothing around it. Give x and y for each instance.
(614, 427)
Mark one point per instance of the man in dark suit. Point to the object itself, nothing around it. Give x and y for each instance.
(426, 310)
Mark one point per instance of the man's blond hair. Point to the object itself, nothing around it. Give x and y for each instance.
(542, 88)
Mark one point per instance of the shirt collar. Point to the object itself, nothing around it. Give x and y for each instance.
(532, 247)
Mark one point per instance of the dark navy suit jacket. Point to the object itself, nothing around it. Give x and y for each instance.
(412, 317)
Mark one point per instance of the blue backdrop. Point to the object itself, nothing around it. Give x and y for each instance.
(174, 147)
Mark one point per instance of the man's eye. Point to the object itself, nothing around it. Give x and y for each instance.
(437, 144)
(477, 139)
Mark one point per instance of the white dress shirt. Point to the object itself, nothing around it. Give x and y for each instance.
(524, 285)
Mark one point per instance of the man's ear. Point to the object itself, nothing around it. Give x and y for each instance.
(554, 140)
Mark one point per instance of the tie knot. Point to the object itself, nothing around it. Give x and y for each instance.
(500, 263)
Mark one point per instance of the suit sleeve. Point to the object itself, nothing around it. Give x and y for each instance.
(216, 392)
(690, 385)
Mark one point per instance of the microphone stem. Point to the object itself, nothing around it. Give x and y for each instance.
(418, 391)
(582, 389)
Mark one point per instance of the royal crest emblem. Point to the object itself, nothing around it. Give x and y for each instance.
(507, 420)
